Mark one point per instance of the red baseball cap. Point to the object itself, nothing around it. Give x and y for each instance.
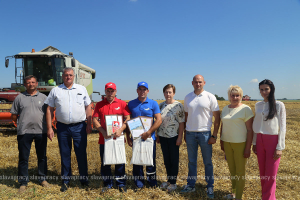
(110, 85)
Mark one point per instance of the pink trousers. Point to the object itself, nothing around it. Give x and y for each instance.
(268, 167)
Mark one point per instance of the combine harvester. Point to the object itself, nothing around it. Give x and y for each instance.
(47, 65)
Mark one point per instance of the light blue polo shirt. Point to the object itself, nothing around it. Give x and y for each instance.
(148, 109)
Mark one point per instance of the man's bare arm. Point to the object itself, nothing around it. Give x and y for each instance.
(49, 117)
(14, 117)
(88, 112)
(100, 128)
(216, 115)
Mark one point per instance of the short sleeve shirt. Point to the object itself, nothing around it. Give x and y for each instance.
(233, 123)
(70, 103)
(117, 107)
(172, 115)
(147, 108)
(31, 111)
(200, 110)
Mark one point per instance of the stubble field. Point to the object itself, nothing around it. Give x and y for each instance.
(288, 180)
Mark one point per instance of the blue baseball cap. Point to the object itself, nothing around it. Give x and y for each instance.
(143, 83)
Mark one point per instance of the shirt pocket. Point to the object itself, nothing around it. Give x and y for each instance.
(79, 99)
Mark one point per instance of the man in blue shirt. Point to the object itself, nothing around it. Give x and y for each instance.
(143, 106)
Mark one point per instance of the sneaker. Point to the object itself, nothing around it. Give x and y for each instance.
(187, 188)
(229, 196)
(22, 189)
(210, 192)
(171, 187)
(164, 185)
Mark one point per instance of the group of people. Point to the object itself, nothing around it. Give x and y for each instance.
(173, 123)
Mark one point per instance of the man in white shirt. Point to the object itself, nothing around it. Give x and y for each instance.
(200, 106)
(73, 107)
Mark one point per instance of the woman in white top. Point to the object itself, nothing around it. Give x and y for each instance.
(269, 129)
(170, 135)
(236, 138)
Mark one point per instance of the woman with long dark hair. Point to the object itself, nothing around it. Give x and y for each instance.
(269, 129)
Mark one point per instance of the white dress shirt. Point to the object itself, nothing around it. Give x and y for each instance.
(200, 110)
(275, 126)
(70, 103)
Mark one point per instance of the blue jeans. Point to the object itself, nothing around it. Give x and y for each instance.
(65, 133)
(193, 139)
(106, 174)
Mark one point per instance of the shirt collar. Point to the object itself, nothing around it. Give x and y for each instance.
(146, 101)
(116, 100)
(65, 87)
(27, 94)
(201, 94)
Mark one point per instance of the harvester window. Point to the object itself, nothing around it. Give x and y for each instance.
(41, 68)
(59, 67)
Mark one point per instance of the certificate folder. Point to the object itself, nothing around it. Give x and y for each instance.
(111, 121)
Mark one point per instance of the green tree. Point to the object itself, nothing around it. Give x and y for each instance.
(220, 98)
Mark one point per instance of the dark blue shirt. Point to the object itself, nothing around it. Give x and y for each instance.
(148, 109)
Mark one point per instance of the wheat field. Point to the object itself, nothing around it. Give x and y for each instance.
(288, 180)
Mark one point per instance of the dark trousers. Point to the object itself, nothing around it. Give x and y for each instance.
(171, 157)
(24, 145)
(106, 174)
(138, 173)
(65, 133)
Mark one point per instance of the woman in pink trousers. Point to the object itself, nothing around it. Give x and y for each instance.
(269, 127)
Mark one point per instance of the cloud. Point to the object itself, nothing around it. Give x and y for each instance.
(213, 84)
(133, 0)
(254, 80)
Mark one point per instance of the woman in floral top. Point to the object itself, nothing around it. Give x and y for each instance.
(170, 135)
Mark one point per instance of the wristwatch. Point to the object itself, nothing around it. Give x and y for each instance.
(216, 137)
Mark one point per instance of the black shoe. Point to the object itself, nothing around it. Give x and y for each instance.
(64, 187)
(85, 185)
(122, 189)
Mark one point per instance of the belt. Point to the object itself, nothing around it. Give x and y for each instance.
(199, 131)
(72, 124)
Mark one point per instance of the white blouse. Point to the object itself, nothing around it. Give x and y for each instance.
(275, 126)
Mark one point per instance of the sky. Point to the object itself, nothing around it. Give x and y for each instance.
(229, 42)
